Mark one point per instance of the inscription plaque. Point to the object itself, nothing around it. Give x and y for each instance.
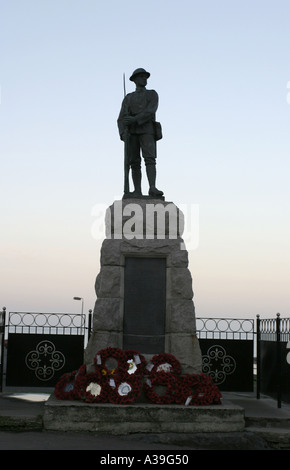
(144, 304)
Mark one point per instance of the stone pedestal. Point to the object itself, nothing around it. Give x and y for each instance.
(179, 422)
(147, 229)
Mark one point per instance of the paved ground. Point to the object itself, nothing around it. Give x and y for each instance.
(23, 412)
(69, 441)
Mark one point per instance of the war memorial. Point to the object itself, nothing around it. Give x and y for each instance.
(142, 368)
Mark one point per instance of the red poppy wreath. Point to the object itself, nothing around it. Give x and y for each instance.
(80, 372)
(198, 390)
(92, 388)
(124, 391)
(161, 379)
(65, 387)
(101, 358)
(164, 362)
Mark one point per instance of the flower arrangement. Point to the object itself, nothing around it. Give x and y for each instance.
(198, 390)
(164, 379)
(164, 362)
(101, 358)
(123, 384)
(92, 388)
(65, 388)
(124, 391)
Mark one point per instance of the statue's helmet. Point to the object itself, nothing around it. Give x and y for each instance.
(137, 72)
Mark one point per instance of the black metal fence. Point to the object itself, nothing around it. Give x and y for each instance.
(2, 343)
(237, 353)
(41, 346)
(227, 347)
(273, 358)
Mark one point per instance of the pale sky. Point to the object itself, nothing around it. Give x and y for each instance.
(222, 72)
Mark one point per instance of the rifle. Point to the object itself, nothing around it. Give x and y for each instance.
(126, 153)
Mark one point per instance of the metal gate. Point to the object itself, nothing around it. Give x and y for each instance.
(227, 347)
(42, 347)
(273, 358)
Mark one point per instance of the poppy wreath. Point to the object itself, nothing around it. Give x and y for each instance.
(103, 355)
(124, 390)
(164, 362)
(135, 363)
(80, 372)
(92, 388)
(161, 378)
(65, 387)
(198, 390)
(182, 391)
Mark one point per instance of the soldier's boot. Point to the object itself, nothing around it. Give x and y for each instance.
(151, 175)
(136, 177)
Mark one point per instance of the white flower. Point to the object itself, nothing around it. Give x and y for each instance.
(132, 366)
(164, 367)
(124, 389)
(94, 389)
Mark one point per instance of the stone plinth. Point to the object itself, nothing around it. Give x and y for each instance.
(111, 419)
(145, 229)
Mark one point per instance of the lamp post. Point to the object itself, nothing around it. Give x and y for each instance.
(80, 298)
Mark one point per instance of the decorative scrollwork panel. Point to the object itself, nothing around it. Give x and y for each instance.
(218, 364)
(36, 360)
(229, 363)
(45, 360)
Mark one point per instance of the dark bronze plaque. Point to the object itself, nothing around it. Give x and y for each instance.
(145, 304)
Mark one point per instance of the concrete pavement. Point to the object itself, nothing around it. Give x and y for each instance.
(266, 427)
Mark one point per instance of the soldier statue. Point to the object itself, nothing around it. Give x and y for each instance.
(140, 131)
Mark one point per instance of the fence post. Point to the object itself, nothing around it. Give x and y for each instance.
(258, 358)
(90, 324)
(278, 342)
(2, 333)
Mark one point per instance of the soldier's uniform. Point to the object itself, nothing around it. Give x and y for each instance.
(141, 104)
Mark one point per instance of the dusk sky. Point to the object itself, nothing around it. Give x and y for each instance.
(222, 72)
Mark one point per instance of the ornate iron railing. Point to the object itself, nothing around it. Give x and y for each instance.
(52, 323)
(225, 328)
